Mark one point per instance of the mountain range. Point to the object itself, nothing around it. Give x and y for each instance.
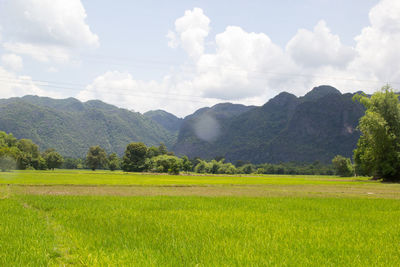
(317, 126)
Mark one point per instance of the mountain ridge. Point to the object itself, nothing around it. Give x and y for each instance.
(312, 127)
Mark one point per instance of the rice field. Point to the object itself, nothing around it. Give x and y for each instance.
(162, 220)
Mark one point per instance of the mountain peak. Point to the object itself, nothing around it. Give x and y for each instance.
(321, 91)
(282, 99)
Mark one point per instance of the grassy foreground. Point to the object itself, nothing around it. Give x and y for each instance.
(64, 223)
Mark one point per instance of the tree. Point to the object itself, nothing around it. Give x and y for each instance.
(53, 159)
(162, 149)
(166, 163)
(186, 164)
(378, 149)
(343, 166)
(7, 139)
(134, 157)
(96, 158)
(29, 156)
(113, 162)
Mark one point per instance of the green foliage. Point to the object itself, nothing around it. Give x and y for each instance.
(72, 163)
(162, 149)
(134, 157)
(71, 127)
(187, 165)
(114, 162)
(292, 168)
(247, 169)
(29, 156)
(164, 164)
(378, 149)
(53, 159)
(96, 158)
(215, 167)
(343, 166)
(7, 140)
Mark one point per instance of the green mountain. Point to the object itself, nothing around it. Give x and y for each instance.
(167, 120)
(71, 126)
(317, 126)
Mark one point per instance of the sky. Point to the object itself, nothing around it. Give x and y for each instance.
(183, 55)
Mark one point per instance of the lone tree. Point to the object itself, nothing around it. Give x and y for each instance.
(96, 158)
(378, 149)
(134, 157)
(343, 166)
(53, 159)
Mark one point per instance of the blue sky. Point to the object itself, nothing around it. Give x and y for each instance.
(183, 55)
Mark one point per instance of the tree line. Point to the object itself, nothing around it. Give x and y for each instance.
(23, 154)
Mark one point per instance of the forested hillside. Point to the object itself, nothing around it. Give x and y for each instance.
(287, 128)
(71, 126)
(317, 126)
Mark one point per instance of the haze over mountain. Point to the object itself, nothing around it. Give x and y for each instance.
(317, 126)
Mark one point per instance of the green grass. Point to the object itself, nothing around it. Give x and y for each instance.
(84, 177)
(189, 231)
(76, 218)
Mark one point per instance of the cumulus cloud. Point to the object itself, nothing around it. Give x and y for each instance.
(319, 48)
(45, 29)
(378, 44)
(190, 32)
(12, 62)
(240, 65)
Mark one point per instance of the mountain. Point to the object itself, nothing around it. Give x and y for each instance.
(167, 120)
(200, 131)
(317, 126)
(71, 126)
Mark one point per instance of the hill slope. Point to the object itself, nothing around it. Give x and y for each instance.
(71, 126)
(317, 126)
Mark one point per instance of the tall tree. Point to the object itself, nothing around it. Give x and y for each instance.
(53, 159)
(96, 158)
(378, 149)
(29, 156)
(134, 157)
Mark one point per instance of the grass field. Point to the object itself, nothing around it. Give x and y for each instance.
(100, 219)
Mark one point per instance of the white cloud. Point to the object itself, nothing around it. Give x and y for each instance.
(12, 62)
(319, 48)
(250, 68)
(240, 65)
(42, 53)
(378, 44)
(190, 32)
(45, 29)
(12, 85)
(121, 89)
